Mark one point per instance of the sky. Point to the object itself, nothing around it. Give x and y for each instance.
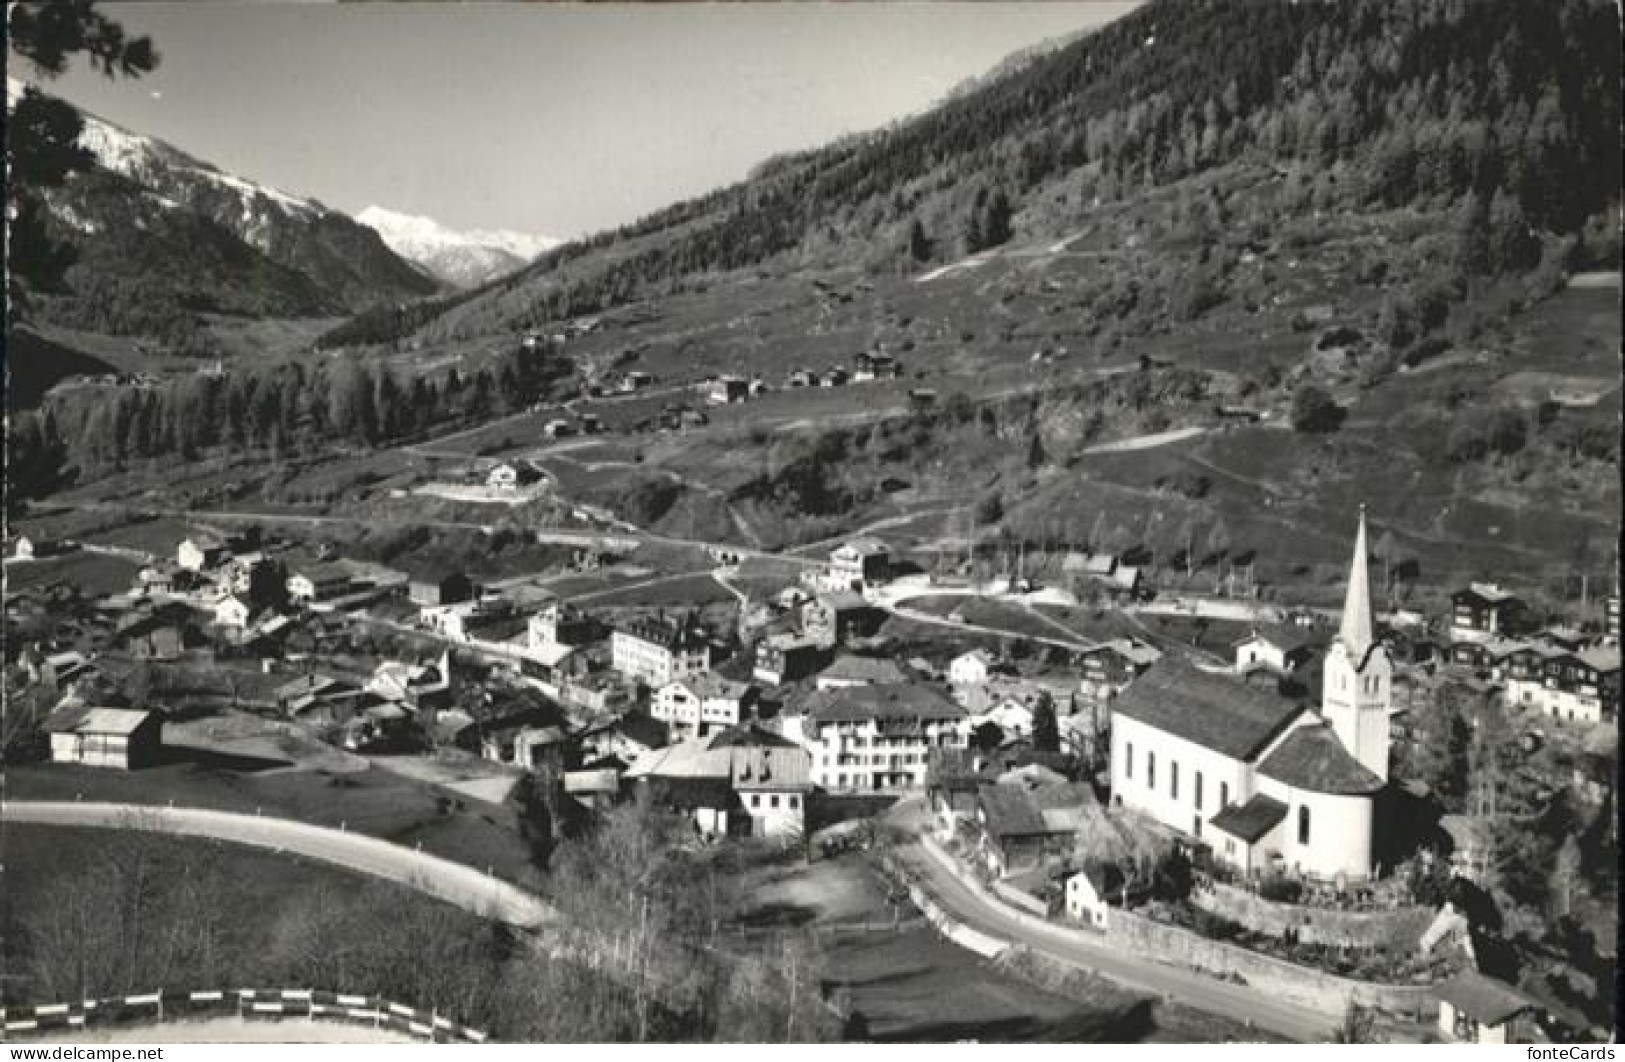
(555, 119)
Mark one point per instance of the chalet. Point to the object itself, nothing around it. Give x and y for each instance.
(1269, 783)
(656, 650)
(418, 686)
(1568, 686)
(637, 381)
(726, 389)
(832, 619)
(970, 669)
(558, 428)
(1482, 611)
(859, 563)
(629, 737)
(803, 378)
(921, 399)
(319, 582)
(786, 658)
(1476, 1009)
(876, 738)
(512, 475)
(1023, 826)
(1012, 717)
(1108, 668)
(835, 377)
(591, 424)
(231, 612)
(58, 670)
(1280, 650)
(1089, 565)
(33, 548)
(758, 387)
(105, 737)
(875, 366)
(701, 704)
(440, 588)
(850, 670)
(201, 553)
(560, 623)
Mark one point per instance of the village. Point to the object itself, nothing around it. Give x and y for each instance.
(1256, 814)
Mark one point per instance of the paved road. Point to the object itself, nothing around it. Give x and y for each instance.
(1205, 993)
(456, 884)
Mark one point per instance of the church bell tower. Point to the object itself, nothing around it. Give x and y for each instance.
(1358, 689)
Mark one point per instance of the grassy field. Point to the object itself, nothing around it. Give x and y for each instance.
(212, 915)
(95, 574)
(375, 802)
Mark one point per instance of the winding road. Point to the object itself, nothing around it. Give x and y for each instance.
(1185, 986)
(462, 886)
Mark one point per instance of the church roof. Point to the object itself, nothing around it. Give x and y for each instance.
(1313, 758)
(1356, 632)
(1211, 710)
(1250, 821)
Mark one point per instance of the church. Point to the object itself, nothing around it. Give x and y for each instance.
(1267, 784)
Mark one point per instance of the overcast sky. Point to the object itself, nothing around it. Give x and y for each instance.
(555, 119)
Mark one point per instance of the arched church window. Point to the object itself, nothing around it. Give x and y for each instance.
(1303, 824)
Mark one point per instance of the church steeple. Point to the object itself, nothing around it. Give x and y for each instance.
(1357, 627)
(1357, 690)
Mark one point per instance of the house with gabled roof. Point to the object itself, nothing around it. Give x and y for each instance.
(124, 738)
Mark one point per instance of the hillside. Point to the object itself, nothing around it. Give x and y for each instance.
(161, 237)
(1368, 106)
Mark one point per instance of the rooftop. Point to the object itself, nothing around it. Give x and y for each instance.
(1313, 758)
(1250, 821)
(871, 669)
(880, 702)
(1212, 710)
(83, 720)
(1489, 1001)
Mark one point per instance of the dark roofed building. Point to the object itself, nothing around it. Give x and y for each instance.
(1477, 1009)
(1249, 822)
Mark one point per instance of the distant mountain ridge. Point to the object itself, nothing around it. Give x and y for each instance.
(461, 258)
(161, 236)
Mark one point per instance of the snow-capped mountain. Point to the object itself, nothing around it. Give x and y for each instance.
(466, 259)
(142, 182)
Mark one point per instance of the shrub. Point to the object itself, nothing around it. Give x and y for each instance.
(1313, 410)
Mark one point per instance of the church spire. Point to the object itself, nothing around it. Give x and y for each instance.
(1356, 630)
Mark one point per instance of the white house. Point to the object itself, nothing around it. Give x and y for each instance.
(510, 476)
(200, 553)
(697, 705)
(1270, 785)
(1010, 715)
(859, 563)
(232, 611)
(970, 669)
(656, 650)
(876, 738)
(1281, 650)
(319, 582)
(1086, 895)
(23, 549)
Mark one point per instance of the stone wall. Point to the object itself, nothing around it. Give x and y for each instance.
(1398, 930)
(1293, 983)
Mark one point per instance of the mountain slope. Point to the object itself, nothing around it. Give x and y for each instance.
(160, 236)
(461, 258)
(1415, 106)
